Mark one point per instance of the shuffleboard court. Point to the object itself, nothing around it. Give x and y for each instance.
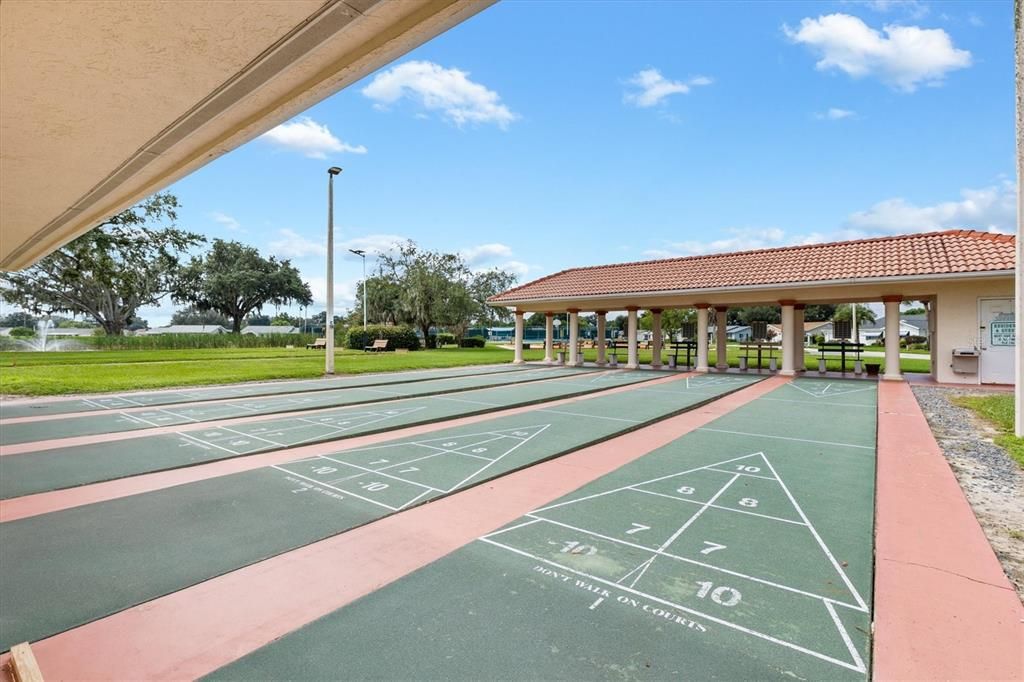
(151, 398)
(120, 421)
(80, 564)
(70, 466)
(742, 550)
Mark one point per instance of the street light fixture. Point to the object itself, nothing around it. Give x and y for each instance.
(362, 254)
(329, 361)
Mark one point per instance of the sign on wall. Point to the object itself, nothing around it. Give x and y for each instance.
(1003, 330)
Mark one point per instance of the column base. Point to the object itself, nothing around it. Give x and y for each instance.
(656, 365)
(632, 365)
(702, 370)
(721, 368)
(600, 363)
(892, 377)
(519, 362)
(549, 361)
(787, 372)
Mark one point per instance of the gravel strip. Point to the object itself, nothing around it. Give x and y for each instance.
(992, 482)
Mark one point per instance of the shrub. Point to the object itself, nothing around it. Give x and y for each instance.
(23, 332)
(472, 342)
(193, 341)
(909, 339)
(445, 339)
(399, 336)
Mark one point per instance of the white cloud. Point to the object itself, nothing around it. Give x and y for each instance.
(344, 293)
(435, 88)
(739, 239)
(835, 114)
(991, 208)
(653, 88)
(312, 139)
(294, 245)
(226, 221)
(975, 20)
(485, 253)
(903, 58)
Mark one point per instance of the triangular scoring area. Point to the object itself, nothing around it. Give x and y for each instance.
(828, 389)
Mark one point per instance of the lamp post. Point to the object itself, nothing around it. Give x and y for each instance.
(362, 254)
(329, 361)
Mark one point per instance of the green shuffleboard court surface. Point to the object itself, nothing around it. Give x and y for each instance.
(80, 564)
(112, 422)
(67, 467)
(719, 556)
(151, 398)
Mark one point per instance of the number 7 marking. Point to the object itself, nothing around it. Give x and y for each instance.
(712, 547)
(637, 527)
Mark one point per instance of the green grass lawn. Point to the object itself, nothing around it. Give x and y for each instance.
(100, 371)
(109, 371)
(998, 409)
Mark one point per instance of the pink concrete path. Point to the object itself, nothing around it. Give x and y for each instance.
(943, 607)
(42, 503)
(197, 630)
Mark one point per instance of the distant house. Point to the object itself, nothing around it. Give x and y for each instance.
(915, 325)
(268, 329)
(823, 329)
(188, 329)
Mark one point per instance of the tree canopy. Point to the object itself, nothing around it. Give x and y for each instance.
(111, 271)
(234, 280)
(864, 313)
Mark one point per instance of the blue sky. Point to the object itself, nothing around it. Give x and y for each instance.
(544, 135)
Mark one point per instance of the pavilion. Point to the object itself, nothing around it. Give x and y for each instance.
(965, 277)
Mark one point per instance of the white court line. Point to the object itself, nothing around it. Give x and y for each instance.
(425, 492)
(242, 407)
(95, 404)
(800, 440)
(846, 637)
(340, 490)
(498, 459)
(365, 470)
(175, 414)
(200, 441)
(136, 418)
(821, 543)
(458, 450)
(463, 400)
(592, 416)
(675, 536)
(822, 394)
(686, 560)
(730, 509)
(249, 435)
(633, 485)
(680, 607)
(817, 402)
(742, 473)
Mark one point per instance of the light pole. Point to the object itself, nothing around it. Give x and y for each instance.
(329, 361)
(362, 254)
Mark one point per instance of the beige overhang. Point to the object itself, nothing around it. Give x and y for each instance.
(104, 103)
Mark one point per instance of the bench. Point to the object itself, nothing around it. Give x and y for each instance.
(677, 347)
(378, 346)
(841, 347)
(759, 350)
(319, 344)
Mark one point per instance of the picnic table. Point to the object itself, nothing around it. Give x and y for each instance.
(689, 347)
(842, 347)
(761, 350)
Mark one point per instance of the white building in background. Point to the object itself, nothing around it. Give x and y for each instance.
(187, 329)
(268, 329)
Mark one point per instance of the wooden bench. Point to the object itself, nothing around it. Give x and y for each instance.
(841, 347)
(687, 347)
(378, 346)
(759, 350)
(319, 344)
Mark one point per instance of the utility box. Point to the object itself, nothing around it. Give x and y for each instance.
(965, 360)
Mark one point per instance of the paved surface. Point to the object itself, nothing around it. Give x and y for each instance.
(45, 407)
(146, 418)
(740, 551)
(103, 460)
(88, 562)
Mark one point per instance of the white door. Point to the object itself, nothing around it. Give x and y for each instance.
(997, 337)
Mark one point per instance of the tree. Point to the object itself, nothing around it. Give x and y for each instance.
(760, 313)
(234, 279)
(192, 316)
(284, 320)
(18, 319)
(382, 302)
(111, 271)
(819, 313)
(864, 313)
(482, 286)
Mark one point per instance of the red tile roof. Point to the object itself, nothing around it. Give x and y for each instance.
(929, 253)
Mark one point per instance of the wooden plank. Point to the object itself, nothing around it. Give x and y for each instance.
(23, 664)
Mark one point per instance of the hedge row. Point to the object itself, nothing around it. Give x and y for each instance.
(399, 336)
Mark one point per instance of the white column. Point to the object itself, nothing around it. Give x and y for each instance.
(574, 338)
(892, 338)
(799, 362)
(721, 351)
(634, 359)
(549, 340)
(702, 339)
(656, 337)
(518, 357)
(854, 333)
(788, 337)
(601, 326)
